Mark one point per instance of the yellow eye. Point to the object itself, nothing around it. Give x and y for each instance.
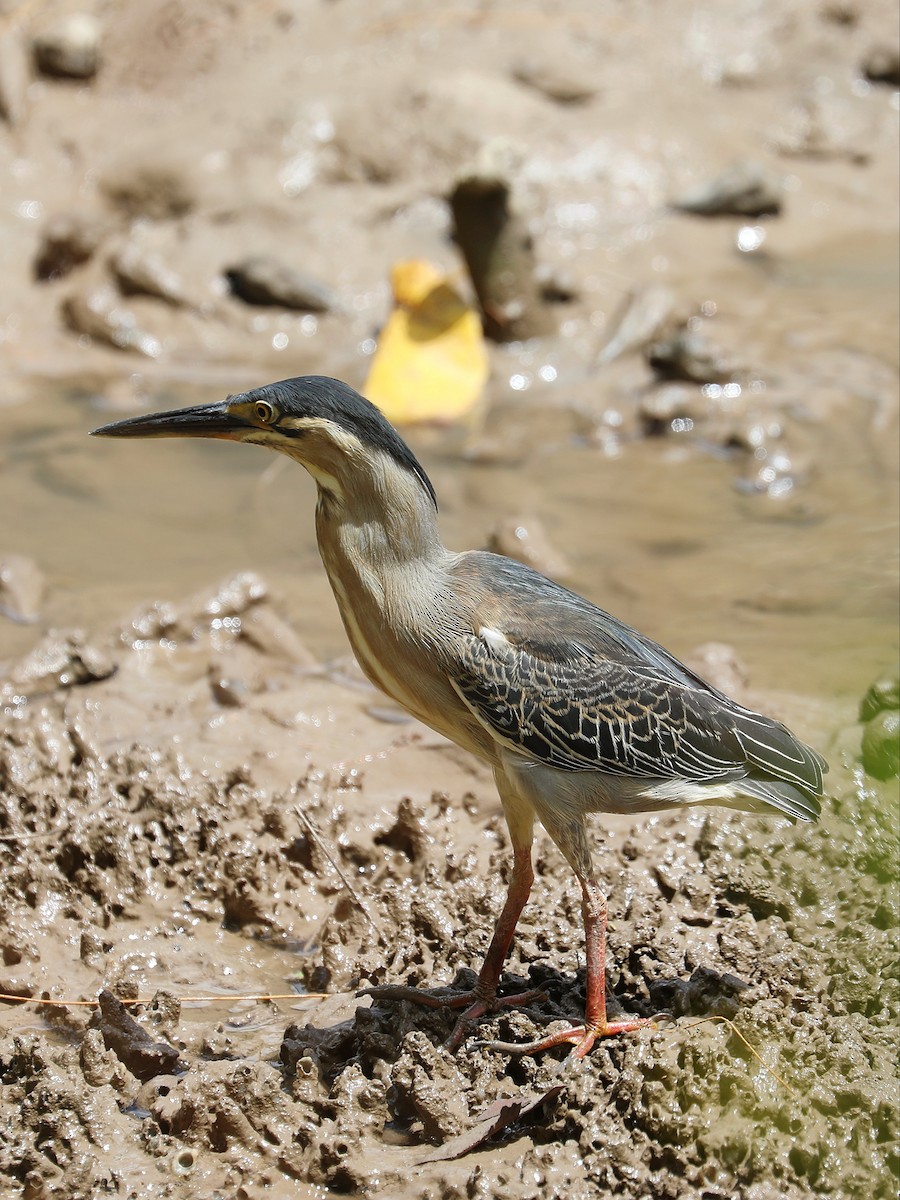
(264, 412)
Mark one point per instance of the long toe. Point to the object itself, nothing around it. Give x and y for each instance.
(481, 1007)
(581, 1037)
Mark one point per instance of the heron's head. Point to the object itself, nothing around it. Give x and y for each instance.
(338, 435)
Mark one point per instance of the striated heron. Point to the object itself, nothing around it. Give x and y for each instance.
(575, 711)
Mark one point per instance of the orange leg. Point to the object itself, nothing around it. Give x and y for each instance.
(483, 998)
(583, 1037)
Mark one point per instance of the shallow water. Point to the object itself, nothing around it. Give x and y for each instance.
(804, 588)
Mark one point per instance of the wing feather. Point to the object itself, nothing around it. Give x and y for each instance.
(573, 687)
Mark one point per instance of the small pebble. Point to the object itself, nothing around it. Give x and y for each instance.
(264, 280)
(687, 356)
(645, 315)
(141, 273)
(746, 189)
(99, 313)
(660, 406)
(882, 65)
(67, 241)
(556, 80)
(21, 589)
(828, 125)
(70, 48)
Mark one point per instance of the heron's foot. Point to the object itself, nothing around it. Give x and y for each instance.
(582, 1037)
(476, 1003)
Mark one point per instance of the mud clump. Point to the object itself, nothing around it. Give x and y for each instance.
(879, 713)
(131, 1044)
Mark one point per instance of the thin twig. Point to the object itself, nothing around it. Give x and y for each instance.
(230, 999)
(759, 1058)
(317, 838)
(30, 837)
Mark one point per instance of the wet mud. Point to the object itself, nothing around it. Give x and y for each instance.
(201, 798)
(162, 840)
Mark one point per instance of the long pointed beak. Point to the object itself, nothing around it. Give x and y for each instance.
(203, 420)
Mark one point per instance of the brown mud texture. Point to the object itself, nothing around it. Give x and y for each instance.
(156, 860)
(210, 821)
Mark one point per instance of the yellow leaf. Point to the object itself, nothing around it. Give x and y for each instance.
(431, 363)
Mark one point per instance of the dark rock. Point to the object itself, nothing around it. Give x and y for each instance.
(882, 65)
(492, 232)
(68, 240)
(264, 280)
(687, 356)
(70, 48)
(745, 189)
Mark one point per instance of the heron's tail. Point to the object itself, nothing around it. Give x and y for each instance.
(767, 795)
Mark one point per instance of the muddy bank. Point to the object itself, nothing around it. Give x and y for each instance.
(190, 824)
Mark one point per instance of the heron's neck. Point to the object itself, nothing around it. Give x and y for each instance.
(379, 540)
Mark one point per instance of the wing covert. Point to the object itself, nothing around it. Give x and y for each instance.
(588, 713)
